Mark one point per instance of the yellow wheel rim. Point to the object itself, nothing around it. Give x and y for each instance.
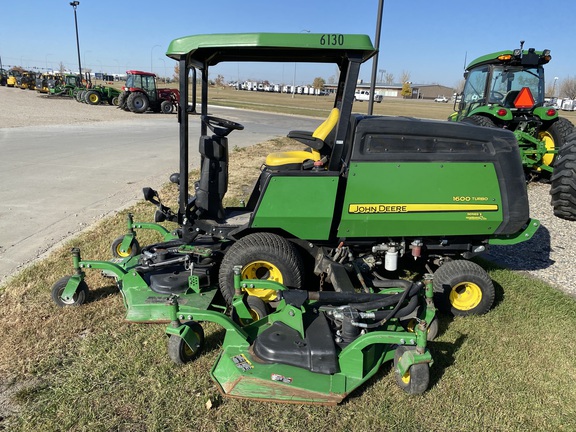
(465, 296)
(548, 158)
(93, 98)
(121, 254)
(262, 270)
(253, 314)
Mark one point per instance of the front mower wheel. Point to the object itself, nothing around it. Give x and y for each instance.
(417, 378)
(463, 288)
(78, 298)
(262, 256)
(117, 252)
(256, 307)
(179, 351)
(563, 188)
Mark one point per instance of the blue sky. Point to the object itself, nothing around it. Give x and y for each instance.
(428, 39)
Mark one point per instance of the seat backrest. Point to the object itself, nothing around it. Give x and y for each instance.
(510, 98)
(327, 125)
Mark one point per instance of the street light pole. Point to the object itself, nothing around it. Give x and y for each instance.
(75, 4)
(151, 62)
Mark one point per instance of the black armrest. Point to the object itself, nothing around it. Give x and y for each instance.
(306, 138)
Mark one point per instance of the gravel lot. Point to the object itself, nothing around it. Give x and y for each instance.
(21, 108)
(550, 255)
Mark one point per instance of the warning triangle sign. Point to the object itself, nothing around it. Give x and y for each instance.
(524, 99)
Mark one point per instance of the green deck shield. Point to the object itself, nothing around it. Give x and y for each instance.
(301, 205)
(420, 199)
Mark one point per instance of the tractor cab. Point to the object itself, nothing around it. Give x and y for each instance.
(138, 81)
(513, 80)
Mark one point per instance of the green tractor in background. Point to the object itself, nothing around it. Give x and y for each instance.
(506, 90)
(67, 85)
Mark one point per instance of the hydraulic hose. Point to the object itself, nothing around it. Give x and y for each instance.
(411, 289)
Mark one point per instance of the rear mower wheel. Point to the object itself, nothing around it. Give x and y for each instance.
(463, 288)
(179, 351)
(78, 299)
(417, 378)
(262, 256)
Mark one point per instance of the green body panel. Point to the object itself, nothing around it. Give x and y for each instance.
(324, 48)
(301, 205)
(486, 110)
(404, 202)
(542, 113)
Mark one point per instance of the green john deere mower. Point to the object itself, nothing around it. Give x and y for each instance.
(305, 276)
(506, 90)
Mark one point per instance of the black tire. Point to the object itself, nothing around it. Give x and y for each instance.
(178, 349)
(93, 97)
(122, 101)
(257, 308)
(78, 96)
(416, 379)
(563, 187)
(463, 288)
(132, 251)
(78, 299)
(555, 137)
(115, 101)
(138, 102)
(166, 107)
(479, 120)
(262, 256)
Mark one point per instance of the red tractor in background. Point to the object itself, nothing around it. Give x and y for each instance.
(140, 94)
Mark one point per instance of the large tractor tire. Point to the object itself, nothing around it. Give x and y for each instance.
(261, 256)
(554, 138)
(463, 288)
(122, 98)
(166, 107)
(479, 120)
(93, 97)
(563, 188)
(138, 102)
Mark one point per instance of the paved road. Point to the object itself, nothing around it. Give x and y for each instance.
(57, 180)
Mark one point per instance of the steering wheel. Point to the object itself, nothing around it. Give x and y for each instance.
(220, 126)
(497, 96)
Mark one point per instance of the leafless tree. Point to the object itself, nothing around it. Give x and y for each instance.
(568, 88)
(388, 78)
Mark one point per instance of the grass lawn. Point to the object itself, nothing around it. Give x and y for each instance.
(85, 369)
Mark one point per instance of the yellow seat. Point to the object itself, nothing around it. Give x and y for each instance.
(316, 141)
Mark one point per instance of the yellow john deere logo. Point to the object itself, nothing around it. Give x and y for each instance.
(412, 208)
